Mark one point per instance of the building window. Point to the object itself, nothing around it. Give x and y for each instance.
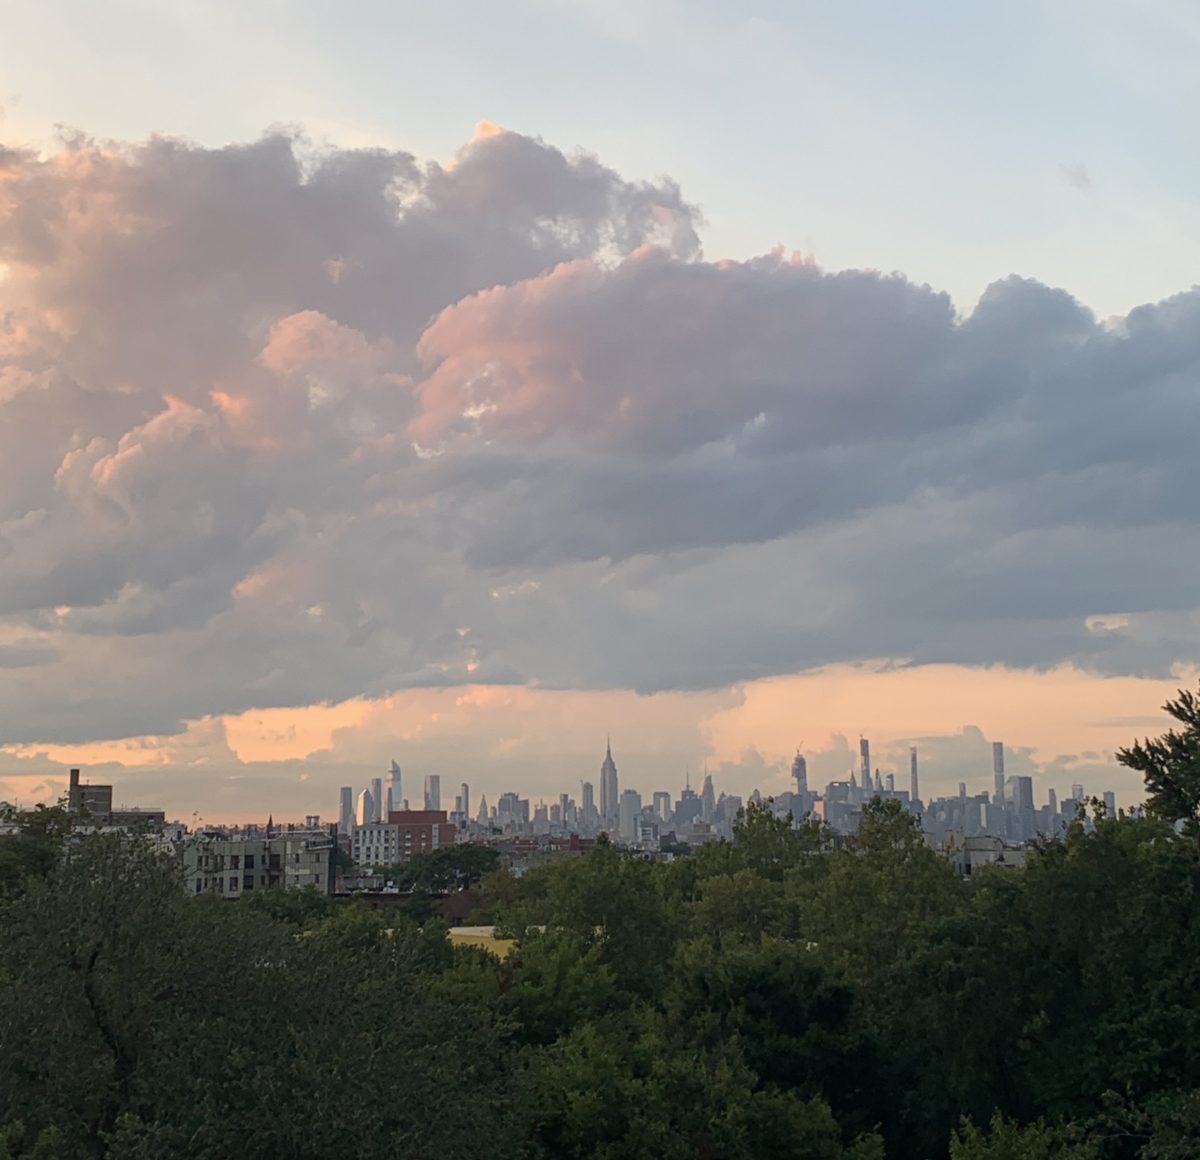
(249, 862)
(234, 862)
(248, 882)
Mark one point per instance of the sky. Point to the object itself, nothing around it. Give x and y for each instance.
(462, 383)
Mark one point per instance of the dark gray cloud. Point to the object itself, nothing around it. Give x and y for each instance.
(280, 426)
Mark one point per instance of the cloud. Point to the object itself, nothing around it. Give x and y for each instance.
(1077, 175)
(543, 742)
(283, 426)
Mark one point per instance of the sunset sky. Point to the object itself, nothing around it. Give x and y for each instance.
(461, 383)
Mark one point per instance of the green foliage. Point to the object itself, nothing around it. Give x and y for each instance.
(558, 980)
(623, 1089)
(798, 1024)
(607, 899)
(444, 870)
(136, 1021)
(783, 994)
(1005, 1140)
(1173, 1121)
(35, 849)
(769, 846)
(1170, 765)
(298, 908)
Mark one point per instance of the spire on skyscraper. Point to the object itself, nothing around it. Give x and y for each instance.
(609, 794)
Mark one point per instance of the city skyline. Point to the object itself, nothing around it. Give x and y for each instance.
(868, 777)
(942, 773)
(747, 742)
(336, 422)
(599, 578)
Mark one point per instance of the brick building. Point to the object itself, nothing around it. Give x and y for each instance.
(95, 803)
(405, 833)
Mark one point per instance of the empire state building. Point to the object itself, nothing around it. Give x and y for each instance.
(609, 795)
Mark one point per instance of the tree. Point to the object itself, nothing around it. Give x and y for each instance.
(1006, 1140)
(633, 1086)
(770, 845)
(863, 902)
(798, 1025)
(1170, 765)
(297, 907)
(36, 847)
(557, 980)
(1174, 1122)
(137, 1022)
(451, 868)
(606, 898)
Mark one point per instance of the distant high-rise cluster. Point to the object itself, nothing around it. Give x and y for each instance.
(378, 828)
(1007, 813)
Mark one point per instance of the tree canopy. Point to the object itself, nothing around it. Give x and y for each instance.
(788, 993)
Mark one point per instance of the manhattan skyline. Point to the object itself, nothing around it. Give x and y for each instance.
(722, 402)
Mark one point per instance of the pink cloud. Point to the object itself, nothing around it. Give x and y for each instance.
(308, 337)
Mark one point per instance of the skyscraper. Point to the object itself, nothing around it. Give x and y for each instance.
(998, 770)
(708, 798)
(587, 798)
(864, 755)
(365, 814)
(688, 807)
(800, 774)
(346, 810)
(912, 775)
(662, 805)
(608, 788)
(1110, 803)
(465, 791)
(630, 811)
(395, 794)
(1020, 792)
(377, 801)
(483, 817)
(433, 791)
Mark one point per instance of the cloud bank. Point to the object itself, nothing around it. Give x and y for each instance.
(281, 426)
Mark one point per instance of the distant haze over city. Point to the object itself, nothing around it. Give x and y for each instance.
(404, 417)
